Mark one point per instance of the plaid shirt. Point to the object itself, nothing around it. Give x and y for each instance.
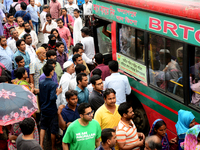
(6, 29)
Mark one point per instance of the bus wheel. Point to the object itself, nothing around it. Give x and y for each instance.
(141, 121)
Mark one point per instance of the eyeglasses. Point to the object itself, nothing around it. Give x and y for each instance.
(90, 113)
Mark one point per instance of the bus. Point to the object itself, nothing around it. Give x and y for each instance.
(157, 46)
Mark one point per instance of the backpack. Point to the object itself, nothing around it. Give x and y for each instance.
(12, 9)
(6, 73)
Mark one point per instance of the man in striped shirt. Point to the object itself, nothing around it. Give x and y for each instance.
(127, 135)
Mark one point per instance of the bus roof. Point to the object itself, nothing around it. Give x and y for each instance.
(189, 9)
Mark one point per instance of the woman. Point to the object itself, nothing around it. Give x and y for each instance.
(192, 139)
(52, 42)
(185, 121)
(159, 128)
(59, 39)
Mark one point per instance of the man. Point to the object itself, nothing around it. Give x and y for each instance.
(55, 8)
(10, 38)
(36, 66)
(15, 38)
(64, 32)
(27, 30)
(29, 47)
(77, 59)
(153, 143)
(78, 25)
(26, 139)
(61, 55)
(87, 12)
(127, 135)
(100, 65)
(48, 26)
(88, 43)
(6, 54)
(15, 5)
(25, 15)
(108, 138)
(20, 23)
(10, 23)
(80, 68)
(81, 88)
(69, 113)
(48, 95)
(71, 7)
(96, 97)
(34, 12)
(83, 133)
(118, 82)
(51, 54)
(43, 14)
(68, 68)
(22, 52)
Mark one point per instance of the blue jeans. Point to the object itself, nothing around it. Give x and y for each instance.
(35, 26)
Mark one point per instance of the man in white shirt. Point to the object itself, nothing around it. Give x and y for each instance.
(69, 69)
(88, 43)
(27, 30)
(12, 43)
(43, 15)
(29, 48)
(48, 26)
(78, 25)
(87, 12)
(71, 7)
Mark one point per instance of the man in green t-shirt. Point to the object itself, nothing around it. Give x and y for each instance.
(83, 133)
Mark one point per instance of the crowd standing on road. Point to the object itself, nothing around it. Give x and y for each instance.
(81, 101)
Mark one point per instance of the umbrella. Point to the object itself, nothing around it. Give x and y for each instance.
(16, 103)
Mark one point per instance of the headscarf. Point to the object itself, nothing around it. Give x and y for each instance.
(164, 141)
(191, 141)
(184, 120)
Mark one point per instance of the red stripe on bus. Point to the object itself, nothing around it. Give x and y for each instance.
(157, 102)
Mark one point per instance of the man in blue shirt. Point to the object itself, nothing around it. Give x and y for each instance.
(81, 88)
(118, 82)
(48, 95)
(22, 52)
(25, 15)
(67, 114)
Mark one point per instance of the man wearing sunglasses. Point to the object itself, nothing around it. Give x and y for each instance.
(83, 133)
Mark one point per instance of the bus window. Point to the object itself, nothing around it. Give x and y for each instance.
(104, 40)
(128, 45)
(165, 64)
(195, 77)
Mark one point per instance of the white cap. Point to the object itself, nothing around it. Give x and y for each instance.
(164, 51)
(67, 64)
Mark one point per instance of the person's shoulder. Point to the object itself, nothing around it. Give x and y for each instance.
(100, 110)
(94, 122)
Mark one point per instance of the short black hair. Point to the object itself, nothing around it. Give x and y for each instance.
(45, 6)
(79, 44)
(51, 61)
(11, 28)
(59, 19)
(97, 72)
(75, 57)
(27, 126)
(47, 69)
(45, 45)
(79, 68)
(94, 78)
(2, 37)
(98, 58)
(70, 93)
(19, 72)
(107, 92)
(50, 53)
(113, 65)
(106, 134)
(123, 108)
(3, 79)
(9, 14)
(23, 5)
(59, 43)
(76, 10)
(19, 42)
(82, 107)
(79, 77)
(48, 15)
(26, 35)
(18, 58)
(85, 30)
(75, 49)
(25, 23)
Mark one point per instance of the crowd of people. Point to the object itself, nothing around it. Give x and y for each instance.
(81, 101)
